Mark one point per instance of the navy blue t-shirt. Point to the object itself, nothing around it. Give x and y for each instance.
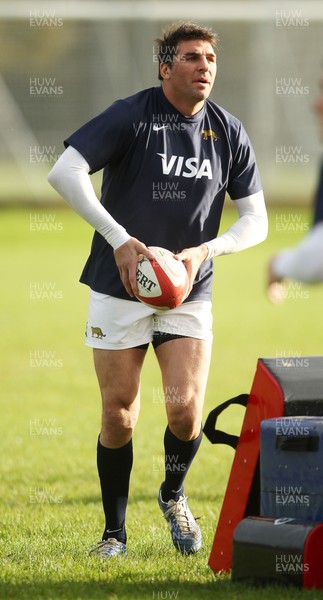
(165, 178)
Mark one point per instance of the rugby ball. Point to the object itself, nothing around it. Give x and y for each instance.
(162, 281)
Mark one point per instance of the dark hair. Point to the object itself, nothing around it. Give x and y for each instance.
(166, 47)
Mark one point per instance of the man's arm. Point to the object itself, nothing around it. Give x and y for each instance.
(70, 178)
(250, 229)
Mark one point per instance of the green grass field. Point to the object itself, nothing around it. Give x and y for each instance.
(50, 509)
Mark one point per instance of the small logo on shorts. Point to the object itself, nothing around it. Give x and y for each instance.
(97, 333)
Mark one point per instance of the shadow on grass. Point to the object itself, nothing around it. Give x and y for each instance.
(221, 589)
(134, 499)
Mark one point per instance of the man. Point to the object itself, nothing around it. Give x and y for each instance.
(303, 263)
(170, 137)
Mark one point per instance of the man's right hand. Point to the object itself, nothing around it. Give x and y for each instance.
(126, 257)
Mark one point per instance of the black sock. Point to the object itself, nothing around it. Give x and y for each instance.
(178, 458)
(114, 468)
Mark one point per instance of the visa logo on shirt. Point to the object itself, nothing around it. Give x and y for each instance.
(186, 168)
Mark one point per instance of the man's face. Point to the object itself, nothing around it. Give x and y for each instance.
(318, 107)
(193, 71)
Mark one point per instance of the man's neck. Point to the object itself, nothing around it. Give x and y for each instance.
(187, 110)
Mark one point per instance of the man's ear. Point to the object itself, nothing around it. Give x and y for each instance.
(164, 70)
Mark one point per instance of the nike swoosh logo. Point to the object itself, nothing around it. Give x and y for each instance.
(158, 127)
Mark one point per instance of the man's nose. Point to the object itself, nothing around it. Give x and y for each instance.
(203, 64)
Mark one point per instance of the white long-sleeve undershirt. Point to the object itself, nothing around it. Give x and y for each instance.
(250, 229)
(70, 178)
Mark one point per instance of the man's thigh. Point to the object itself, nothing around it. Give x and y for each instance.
(185, 361)
(118, 373)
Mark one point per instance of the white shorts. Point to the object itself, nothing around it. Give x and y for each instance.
(116, 324)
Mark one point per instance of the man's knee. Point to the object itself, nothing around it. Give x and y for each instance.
(118, 422)
(118, 417)
(186, 427)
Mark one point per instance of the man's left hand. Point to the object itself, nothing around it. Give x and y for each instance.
(192, 258)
